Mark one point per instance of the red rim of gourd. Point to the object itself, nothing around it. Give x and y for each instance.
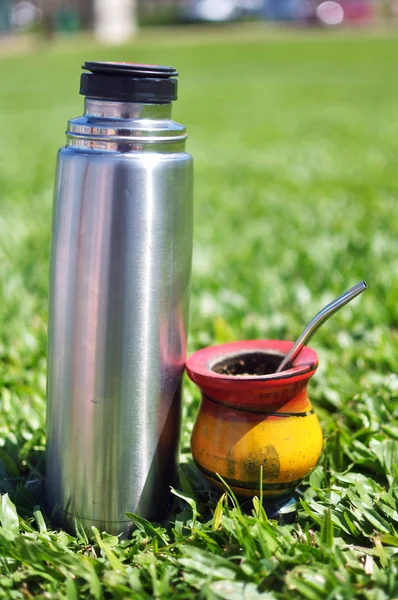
(199, 366)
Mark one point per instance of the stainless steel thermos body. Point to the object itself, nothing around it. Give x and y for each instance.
(118, 300)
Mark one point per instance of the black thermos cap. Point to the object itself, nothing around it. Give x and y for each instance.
(129, 82)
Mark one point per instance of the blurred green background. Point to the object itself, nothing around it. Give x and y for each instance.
(294, 137)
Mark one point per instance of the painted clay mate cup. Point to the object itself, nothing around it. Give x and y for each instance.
(252, 420)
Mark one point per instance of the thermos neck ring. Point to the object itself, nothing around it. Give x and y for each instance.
(114, 126)
(110, 109)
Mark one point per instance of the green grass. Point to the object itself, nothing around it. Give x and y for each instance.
(296, 191)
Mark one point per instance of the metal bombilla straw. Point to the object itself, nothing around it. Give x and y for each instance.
(318, 320)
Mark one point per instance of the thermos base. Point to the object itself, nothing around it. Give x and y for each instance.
(72, 523)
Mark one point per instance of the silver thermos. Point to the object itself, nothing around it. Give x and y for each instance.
(118, 300)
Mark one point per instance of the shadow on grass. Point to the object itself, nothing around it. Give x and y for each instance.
(22, 480)
(206, 496)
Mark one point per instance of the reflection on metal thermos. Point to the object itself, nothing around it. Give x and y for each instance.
(119, 292)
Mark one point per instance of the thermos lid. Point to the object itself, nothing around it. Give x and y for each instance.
(129, 82)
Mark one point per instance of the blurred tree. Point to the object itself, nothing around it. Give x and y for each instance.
(86, 9)
(5, 10)
(48, 17)
(391, 10)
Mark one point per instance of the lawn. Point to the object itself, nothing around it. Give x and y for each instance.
(295, 140)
